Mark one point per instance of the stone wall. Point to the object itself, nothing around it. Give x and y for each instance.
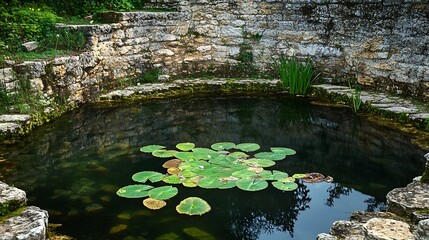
(382, 44)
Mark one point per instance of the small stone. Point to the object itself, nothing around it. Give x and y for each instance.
(163, 78)
(11, 197)
(422, 231)
(30, 46)
(325, 236)
(385, 229)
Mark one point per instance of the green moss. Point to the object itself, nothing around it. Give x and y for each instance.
(425, 176)
(9, 215)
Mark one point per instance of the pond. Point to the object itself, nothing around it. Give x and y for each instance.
(73, 167)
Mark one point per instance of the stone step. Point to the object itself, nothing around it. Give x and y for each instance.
(11, 198)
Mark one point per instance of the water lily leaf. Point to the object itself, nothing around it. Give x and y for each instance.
(277, 175)
(285, 151)
(270, 156)
(266, 175)
(134, 191)
(154, 204)
(148, 175)
(222, 160)
(228, 184)
(193, 206)
(172, 163)
(285, 186)
(251, 184)
(164, 153)
(212, 171)
(247, 147)
(185, 146)
(244, 173)
(163, 193)
(187, 173)
(173, 171)
(288, 179)
(189, 183)
(255, 169)
(193, 165)
(185, 156)
(223, 146)
(172, 179)
(204, 153)
(256, 162)
(209, 182)
(313, 178)
(298, 175)
(151, 148)
(238, 155)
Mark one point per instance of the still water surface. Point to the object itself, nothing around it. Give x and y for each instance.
(73, 166)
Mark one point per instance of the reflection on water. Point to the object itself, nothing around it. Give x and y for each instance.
(73, 166)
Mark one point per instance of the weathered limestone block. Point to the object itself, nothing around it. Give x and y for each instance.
(386, 229)
(422, 231)
(24, 118)
(7, 75)
(31, 69)
(31, 224)
(344, 229)
(11, 198)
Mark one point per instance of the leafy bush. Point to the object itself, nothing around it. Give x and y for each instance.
(296, 76)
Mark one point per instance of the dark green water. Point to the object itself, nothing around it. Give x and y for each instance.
(73, 166)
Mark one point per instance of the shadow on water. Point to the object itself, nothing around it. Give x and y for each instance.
(74, 165)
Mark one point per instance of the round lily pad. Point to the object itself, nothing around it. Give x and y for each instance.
(173, 170)
(256, 162)
(247, 147)
(193, 164)
(204, 153)
(228, 184)
(163, 193)
(237, 155)
(187, 173)
(151, 148)
(209, 182)
(172, 163)
(285, 151)
(185, 156)
(189, 183)
(244, 173)
(251, 184)
(223, 146)
(193, 206)
(148, 175)
(288, 179)
(299, 175)
(154, 204)
(285, 186)
(164, 153)
(270, 156)
(277, 175)
(134, 191)
(172, 179)
(185, 146)
(313, 178)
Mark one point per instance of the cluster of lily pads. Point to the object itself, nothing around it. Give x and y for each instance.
(224, 165)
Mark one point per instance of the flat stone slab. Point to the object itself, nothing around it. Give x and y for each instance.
(30, 224)
(15, 118)
(409, 200)
(386, 229)
(11, 197)
(9, 127)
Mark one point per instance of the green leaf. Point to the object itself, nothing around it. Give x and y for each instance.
(256, 162)
(187, 173)
(185, 146)
(134, 191)
(285, 186)
(151, 148)
(299, 175)
(204, 153)
(193, 206)
(164, 153)
(193, 165)
(237, 155)
(172, 179)
(228, 184)
(223, 146)
(285, 151)
(244, 173)
(247, 147)
(277, 175)
(148, 175)
(209, 182)
(251, 184)
(185, 156)
(163, 193)
(270, 156)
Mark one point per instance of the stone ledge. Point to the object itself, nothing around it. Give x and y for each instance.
(30, 224)
(11, 198)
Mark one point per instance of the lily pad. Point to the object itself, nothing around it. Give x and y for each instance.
(151, 148)
(210, 182)
(148, 175)
(228, 184)
(189, 183)
(277, 175)
(256, 162)
(247, 147)
(237, 155)
(313, 178)
(163, 193)
(164, 153)
(185, 156)
(204, 153)
(288, 179)
(187, 173)
(173, 170)
(172, 163)
(251, 184)
(285, 151)
(172, 179)
(285, 186)
(154, 204)
(270, 156)
(244, 173)
(223, 146)
(193, 206)
(298, 175)
(193, 164)
(185, 146)
(134, 191)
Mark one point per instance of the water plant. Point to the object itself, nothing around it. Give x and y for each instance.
(296, 76)
(223, 166)
(356, 100)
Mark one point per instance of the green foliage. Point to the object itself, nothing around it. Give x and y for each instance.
(149, 76)
(193, 206)
(296, 76)
(4, 209)
(356, 100)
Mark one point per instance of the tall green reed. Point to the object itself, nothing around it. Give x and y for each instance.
(296, 76)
